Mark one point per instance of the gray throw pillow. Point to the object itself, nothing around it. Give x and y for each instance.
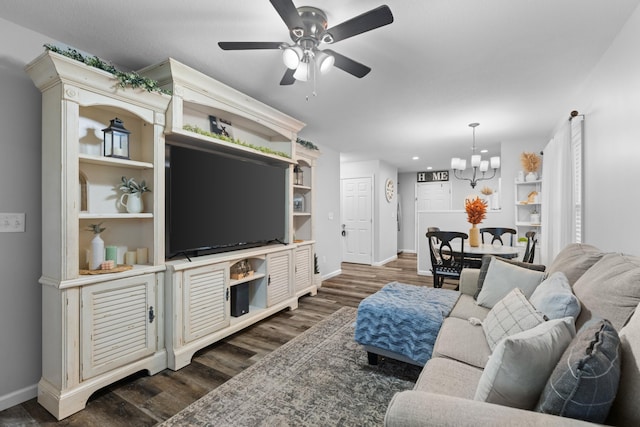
(486, 260)
(585, 381)
(512, 314)
(555, 299)
(502, 278)
(518, 368)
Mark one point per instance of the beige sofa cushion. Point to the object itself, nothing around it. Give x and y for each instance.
(626, 410)
(466, 308)
(460, 340)
(450, 377)
(609, 290)
(574, 260)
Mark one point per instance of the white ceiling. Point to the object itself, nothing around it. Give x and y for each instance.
(515, 66)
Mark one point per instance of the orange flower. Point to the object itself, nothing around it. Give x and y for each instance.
(476, 210)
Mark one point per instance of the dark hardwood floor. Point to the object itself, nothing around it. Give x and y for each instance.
(142, 400)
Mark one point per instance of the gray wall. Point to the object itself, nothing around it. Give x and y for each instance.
(327, 213)
(21, 258)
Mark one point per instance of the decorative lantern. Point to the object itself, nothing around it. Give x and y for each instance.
(298, 178)
(116, 140)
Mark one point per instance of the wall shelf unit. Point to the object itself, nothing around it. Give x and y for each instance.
(527, 207)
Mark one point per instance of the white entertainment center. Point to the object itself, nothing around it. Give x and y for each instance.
(99, 328)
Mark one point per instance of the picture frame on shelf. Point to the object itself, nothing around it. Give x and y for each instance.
(220, 126)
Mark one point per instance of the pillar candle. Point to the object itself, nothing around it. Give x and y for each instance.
(111, 253)
(130, 258)
(121, 251)
(142, 255)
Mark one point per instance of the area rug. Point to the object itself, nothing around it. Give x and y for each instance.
(320, 378)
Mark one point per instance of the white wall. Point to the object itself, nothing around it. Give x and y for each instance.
(21, 258)
(611, 104)
(407, 192)
(385, 226)
(327, 213)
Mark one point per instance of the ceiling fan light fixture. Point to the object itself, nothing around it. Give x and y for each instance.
(302, 72)
(291, 56)
(325, 61)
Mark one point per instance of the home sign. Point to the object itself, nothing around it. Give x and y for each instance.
(433, 176)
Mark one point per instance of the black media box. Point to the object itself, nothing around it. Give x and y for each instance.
(240, 299)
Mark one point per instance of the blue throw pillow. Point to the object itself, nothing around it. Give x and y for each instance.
(585, 381)
(555, 299)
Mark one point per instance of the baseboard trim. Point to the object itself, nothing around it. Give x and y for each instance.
(332, 274)
(383, 262)
(408, 251)
(17, 397)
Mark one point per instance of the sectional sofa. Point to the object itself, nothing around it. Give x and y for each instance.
(524, 356)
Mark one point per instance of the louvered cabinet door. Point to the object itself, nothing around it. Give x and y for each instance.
(279, 277)
(118, 323)
(205, 299)
(303, 267)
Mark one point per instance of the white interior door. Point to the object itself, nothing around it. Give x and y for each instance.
(433, 196)
(357, 220)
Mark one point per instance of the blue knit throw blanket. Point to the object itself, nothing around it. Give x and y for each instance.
(404, 319)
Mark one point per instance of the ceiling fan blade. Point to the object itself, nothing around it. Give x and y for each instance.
(288, 12)
(367, 21)
(349, 65)
(249, 45)
(288, 79)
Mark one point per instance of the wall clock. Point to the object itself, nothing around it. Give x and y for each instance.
(389, 189)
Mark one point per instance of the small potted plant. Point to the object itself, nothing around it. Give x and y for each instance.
(476, 212)
(133, 192)
(316, 272)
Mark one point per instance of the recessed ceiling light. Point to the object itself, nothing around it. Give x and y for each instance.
(484, 151)
(415, 158)
(429, 168)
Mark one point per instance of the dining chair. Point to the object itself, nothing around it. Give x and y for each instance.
(497, 233)
(530, 250)
(445, 261)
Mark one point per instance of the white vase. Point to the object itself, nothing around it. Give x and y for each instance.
(97, 252)
(133, 203)
(531, 176)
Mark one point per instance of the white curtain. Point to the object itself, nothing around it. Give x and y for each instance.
(557, 195)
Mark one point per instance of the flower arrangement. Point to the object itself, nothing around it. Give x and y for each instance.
(530, 162)
(476, 210)
(130, 186)
(486, 191)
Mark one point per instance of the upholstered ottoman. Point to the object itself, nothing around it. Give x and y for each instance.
(402, 321)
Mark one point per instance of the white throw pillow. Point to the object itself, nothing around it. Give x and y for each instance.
(510, 315)
(520, 365)
(555, 299)
(502, 278)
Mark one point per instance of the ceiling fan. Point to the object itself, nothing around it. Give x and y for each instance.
(308, 29)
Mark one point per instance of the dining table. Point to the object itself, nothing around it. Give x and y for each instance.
(473, 254)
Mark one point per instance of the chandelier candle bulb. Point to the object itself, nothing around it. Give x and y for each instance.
(495, 163)
(484, 166)
(475, 160)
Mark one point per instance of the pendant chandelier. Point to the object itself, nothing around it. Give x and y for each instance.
(478, 165)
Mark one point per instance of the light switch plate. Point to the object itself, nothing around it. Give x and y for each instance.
(12, 222)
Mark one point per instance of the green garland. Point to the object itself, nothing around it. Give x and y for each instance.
(196, 129)
(130, 79)
(307, 144)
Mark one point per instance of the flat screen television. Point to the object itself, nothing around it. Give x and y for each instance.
(217, 202)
